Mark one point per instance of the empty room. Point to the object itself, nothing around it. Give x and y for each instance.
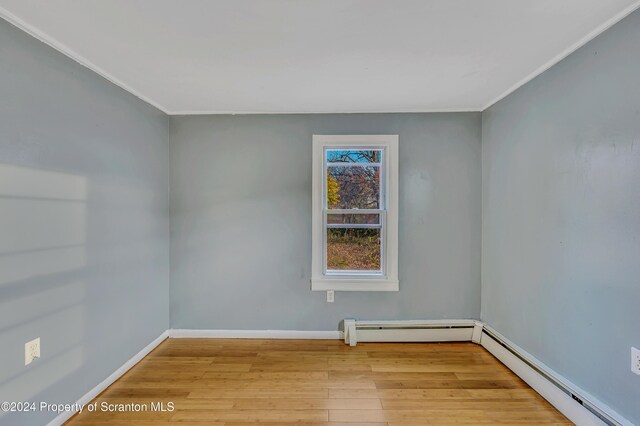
(319, 212)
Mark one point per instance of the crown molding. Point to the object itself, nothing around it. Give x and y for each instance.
(400, 111)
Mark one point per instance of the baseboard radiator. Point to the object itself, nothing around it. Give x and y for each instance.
(571, 401)
(411, 331)
(575, 404)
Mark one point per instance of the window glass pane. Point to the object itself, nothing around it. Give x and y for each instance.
(353, 156)
(350, 219)
(355, 187)
(353, 249)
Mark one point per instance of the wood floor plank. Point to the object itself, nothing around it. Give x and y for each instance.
(447, 384)
(411, 416)
(235, 382)
(273, 415)
(298, 424)
(309, 404)
(346, 375)
(401, 393)
(451, 404)
(257, 393)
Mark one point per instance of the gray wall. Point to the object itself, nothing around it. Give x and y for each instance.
(83, 225)
(84, 220)
(241, 221)
(561, 216)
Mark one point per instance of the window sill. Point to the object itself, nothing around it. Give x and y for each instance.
(325, 284)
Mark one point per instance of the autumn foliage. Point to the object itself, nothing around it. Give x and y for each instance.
(333, 188)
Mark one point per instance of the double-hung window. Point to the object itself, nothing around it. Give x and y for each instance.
(355, 213)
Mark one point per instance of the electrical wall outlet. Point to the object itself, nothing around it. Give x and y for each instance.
(635, 360)
(330, 296)
(31, 351)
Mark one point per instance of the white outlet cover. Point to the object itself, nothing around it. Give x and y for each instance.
(635, 360)
(330, 296)
(31, 351)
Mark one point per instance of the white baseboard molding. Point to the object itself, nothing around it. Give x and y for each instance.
(577, 405)
(254, 334)
(89, 396)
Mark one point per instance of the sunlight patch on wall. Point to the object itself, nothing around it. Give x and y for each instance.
(30, 224)
(48, 302)
(34, 183)
(42, 222)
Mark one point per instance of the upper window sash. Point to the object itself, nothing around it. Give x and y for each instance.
(380, 164)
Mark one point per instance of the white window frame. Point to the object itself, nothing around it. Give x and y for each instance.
(356, 281)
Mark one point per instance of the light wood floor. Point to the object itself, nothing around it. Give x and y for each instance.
(323, 382)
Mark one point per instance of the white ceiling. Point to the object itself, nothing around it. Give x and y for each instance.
(259, 56)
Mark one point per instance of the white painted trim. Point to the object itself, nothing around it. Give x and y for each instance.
(391, 111)
(574, 411)
(476, 337)
(349, 333)
(577, 45)
(443, 322)
(354, 285)
(409, 331)
(89, 396)
(253, 334)
(415, 335)
(388, 282)
(67, 51)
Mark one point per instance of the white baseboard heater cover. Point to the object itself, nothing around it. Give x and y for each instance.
(574, 403)
(411, 331)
